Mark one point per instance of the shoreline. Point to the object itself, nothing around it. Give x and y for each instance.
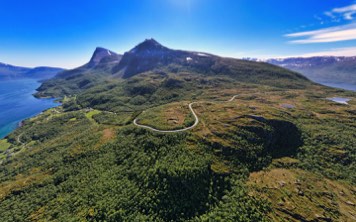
(19, 103)
(20, 123)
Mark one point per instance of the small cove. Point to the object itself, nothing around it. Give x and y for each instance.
(17, 103)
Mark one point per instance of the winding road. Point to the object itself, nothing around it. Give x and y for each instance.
(179, 130)
(19, 140)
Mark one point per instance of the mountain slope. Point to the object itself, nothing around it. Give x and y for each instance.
(150, 56)
(147, 56)
(101, 60)
(70, 82)
(278, 151)
(322, 69)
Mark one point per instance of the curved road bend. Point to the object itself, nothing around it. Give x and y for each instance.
(179, 130)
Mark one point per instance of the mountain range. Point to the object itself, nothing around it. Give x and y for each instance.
(159, 134)
(10, 72)
(326, 69)
(150, 55)
(322, 69)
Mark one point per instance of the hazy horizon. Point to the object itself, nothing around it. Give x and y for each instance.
(65, 33)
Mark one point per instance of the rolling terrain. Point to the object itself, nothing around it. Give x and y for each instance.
(266, 143)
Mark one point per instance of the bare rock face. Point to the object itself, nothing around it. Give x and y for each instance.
(150, 55)
(101, 54)
(145, 56)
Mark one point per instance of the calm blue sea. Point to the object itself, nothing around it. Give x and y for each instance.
(17, 103)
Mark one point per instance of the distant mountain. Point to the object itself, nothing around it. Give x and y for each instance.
(43, 72)
(10, 72)
(6, 69)
(322, 69)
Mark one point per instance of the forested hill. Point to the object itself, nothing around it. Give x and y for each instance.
(270, 145)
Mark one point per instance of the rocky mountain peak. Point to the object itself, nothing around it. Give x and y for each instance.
(149, 45)
(99, 54)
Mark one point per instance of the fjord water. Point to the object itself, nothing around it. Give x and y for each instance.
(17, 103)
(347, 86)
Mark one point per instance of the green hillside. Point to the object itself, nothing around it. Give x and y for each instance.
(269, 146)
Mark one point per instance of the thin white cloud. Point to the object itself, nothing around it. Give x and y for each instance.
(333, 34)
(347, 12)
(318, 18)
(338, 52)
(350, 51)
(330, 14)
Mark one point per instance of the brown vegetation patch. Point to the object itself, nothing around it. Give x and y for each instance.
(175, 115)
(108, 134)
(298, 195)
(21, 181)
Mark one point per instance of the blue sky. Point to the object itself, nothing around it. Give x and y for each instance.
(65, 33)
